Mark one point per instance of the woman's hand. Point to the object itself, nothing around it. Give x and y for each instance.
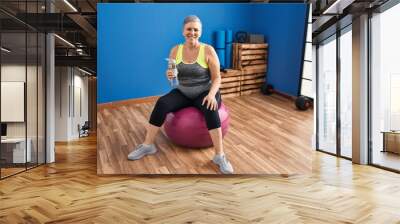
(170, 74)
(212, 103)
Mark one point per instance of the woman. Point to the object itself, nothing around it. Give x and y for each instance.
(199, 82)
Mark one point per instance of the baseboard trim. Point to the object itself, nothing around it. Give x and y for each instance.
(293, 98)
(114, 104)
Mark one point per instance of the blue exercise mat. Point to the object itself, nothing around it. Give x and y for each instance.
(228, 55)
(220, 39)
(221, 56)
(228, 36)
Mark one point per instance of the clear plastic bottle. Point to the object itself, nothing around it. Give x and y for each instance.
(172, 65)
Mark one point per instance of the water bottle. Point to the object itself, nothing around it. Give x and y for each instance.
(172, 65)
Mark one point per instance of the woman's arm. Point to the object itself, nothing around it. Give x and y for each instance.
(172, 53)
(213, 64)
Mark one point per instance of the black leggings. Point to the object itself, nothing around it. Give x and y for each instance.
(175, 100)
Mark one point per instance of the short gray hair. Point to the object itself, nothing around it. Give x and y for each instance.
(191, 18)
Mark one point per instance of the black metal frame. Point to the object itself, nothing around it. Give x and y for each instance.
(36, 164)
(37, 92)
(26, 89)
(369, 90)
(338, 76)
(380, 9)
(337, 34)
(316, 96)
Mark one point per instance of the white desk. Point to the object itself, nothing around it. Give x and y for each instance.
(18, 149)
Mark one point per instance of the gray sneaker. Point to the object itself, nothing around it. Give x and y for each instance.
(224, 165)
(142, 150)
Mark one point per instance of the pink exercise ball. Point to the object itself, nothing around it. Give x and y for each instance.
(187, 127)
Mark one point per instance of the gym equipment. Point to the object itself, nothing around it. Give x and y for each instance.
(228, 48)
(220, 46)
(256, 38)
(220, 39)
(303, 102)
(228, 36)
(84, 129)
(228, 55)
(221, 57)
(187, 127)
(241, 36)
(267, 89)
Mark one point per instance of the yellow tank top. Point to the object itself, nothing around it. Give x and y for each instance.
(194, 78)
(201, 58)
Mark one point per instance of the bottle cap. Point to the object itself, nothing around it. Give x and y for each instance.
(170, 60)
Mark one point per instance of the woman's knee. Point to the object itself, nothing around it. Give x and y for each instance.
(213, 122)
(159, 112)
(203, 108)
(162, 104)
(212, 118)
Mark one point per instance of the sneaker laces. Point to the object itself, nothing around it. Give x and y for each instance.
(139, 148)
(225, 162)
(222, 159)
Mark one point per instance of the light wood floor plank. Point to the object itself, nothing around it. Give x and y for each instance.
(70, 191)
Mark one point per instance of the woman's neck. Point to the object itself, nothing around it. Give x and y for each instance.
(192, 46)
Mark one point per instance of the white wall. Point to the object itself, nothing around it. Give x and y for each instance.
(15, 72)
(71, 93)
(80, 110)
(61, 103)
(33, 126)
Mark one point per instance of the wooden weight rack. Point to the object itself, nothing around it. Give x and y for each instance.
(249, 68)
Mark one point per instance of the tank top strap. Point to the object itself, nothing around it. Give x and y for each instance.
(201, 59)
(178, 57)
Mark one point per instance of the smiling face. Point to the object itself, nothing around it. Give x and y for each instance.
(192, 32)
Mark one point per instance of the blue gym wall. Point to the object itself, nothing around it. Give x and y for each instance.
(283, 25)
(134, 39)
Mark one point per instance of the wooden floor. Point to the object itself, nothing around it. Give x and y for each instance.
(386, 159)
(10, 171)
(70, 191)
(267, 135)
